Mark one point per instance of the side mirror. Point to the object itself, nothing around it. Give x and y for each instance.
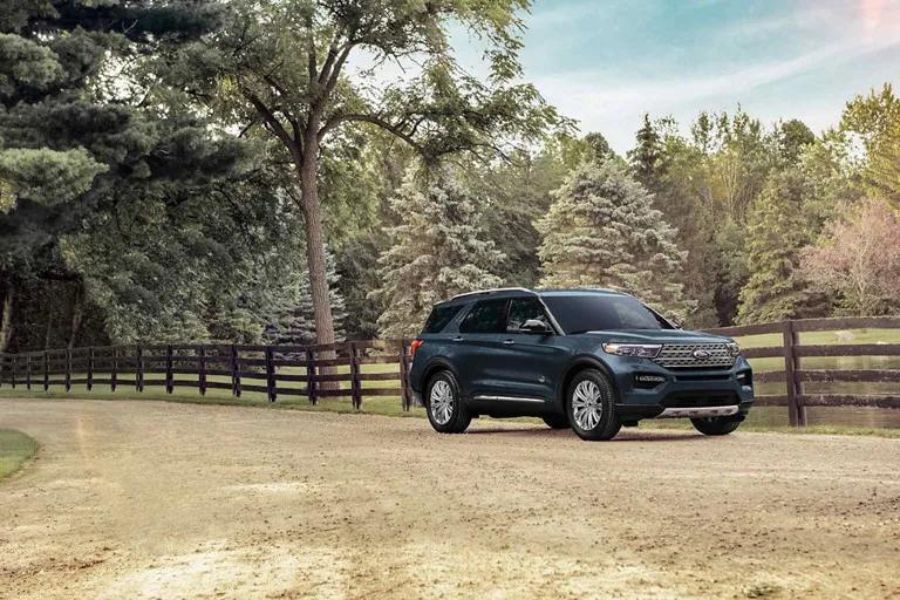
(536, 326)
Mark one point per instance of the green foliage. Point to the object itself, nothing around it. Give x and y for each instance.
(47, 176)
(776, 231)
(602, 231)
(438, 249)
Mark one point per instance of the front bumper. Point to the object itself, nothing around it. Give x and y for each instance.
(648, 390)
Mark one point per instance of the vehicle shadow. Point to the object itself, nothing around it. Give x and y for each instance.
(626, 435)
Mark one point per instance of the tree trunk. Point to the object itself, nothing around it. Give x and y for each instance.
(77, 314)
(6, 318)
(315, 238)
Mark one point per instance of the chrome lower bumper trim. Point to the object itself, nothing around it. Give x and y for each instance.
(698, 411)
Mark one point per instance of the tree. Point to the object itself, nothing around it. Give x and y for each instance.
(776, 231)
(294, 322)
(602, 231)
(80, 161)
(439, 249)
(283, 64)
(858, 259)
(875, 120)
(646, 154)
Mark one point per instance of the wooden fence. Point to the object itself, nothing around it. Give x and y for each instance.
(795, 376)
(314, 372)
(338, 370)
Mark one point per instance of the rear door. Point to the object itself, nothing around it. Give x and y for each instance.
(479, 340)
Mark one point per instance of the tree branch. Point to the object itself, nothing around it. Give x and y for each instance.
(292, 144)
(392, 128)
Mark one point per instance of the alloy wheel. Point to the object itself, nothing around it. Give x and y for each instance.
(587, 405)
(441, 402)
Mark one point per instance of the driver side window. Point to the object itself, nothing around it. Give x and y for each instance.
(524, 309)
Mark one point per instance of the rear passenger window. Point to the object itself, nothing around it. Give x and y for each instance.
(439, 318)
(485, 317)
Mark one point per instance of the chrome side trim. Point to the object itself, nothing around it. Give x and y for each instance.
(509, 398)
(698, 411)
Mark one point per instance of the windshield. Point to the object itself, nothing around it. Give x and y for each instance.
(596, 312)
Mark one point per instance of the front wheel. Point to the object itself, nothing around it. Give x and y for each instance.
(591, 406)
(715, 425)
(446, 411)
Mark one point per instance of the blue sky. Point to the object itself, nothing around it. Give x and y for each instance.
(607, 62)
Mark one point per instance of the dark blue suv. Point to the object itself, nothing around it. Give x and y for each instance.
(594, 360)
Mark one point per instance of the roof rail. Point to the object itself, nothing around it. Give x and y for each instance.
(493, 290)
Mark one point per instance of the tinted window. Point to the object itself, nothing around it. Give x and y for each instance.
(524, 309)
(439, 318)
(595, 312)
(485, 317)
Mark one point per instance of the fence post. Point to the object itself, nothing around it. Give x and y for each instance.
(170, 385)
(90, 374)
(201, 376)
(68, 376)
(139, 368)
(404, 372)
(114, 375)
(46, 370)
(355, 382)
(270, 373)
(235, 373)
(311, 375)
(789, 337)
(28, 372)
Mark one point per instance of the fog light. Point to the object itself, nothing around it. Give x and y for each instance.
(648, 380)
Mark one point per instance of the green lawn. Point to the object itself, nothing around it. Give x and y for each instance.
(15, 449)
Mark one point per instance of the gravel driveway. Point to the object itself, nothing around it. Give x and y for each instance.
(156, 500)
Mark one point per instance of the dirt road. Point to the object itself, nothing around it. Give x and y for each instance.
(156, 500)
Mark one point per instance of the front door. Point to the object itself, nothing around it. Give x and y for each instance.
(530, 362)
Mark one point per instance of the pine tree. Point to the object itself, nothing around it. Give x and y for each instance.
(647, 152)
(295, 322)
(438, 249)
(777, 230)
(602, 231)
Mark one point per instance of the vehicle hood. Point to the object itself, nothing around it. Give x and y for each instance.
(656, 336)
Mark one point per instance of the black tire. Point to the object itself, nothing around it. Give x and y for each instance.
(555, 421)
(602, 423)
(715, 425)
(458, 417)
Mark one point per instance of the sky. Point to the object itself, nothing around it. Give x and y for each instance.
(607, 62)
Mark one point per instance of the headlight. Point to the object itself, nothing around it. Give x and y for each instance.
(639, 350)
(733, 348)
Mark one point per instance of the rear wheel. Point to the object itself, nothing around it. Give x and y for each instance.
(591, 407)
(556, 421)
(446, 411)
(715, 425)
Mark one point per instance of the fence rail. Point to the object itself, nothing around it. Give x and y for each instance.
(794, 375)
(314, 372)
(343, 369)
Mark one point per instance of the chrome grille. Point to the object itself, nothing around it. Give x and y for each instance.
(681, 356)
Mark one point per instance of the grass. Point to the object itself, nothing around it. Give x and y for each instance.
(761, 418)
(15, 449)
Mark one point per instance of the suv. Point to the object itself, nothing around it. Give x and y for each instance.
(594, 360)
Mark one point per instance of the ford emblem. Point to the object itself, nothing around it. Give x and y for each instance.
(700, 354)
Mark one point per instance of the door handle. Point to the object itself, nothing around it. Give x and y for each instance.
(508, 342)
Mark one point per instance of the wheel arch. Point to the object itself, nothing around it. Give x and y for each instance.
(578, 364)
(435, 365)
